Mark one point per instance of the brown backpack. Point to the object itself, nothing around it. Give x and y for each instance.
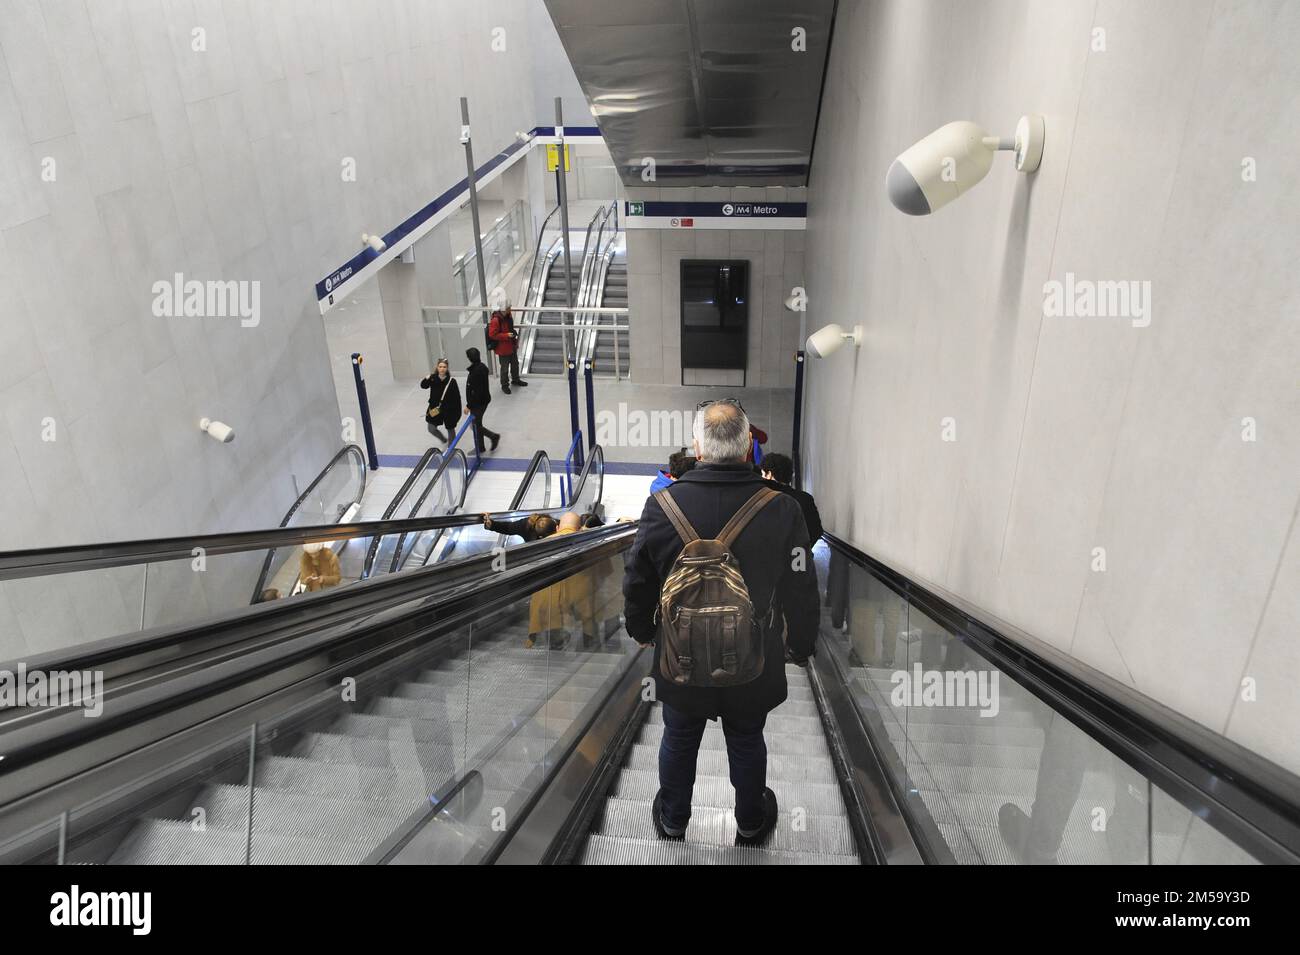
(709, 633)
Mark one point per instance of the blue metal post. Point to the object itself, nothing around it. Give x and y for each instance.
(799, 361)
(365, 411)
(591, 402)
(573, 406)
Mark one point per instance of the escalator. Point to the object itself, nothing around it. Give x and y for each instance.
(470, 712)
(545, 354)
(605, 353)
(813, 825)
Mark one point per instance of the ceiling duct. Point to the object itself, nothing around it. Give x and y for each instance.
(716, 92)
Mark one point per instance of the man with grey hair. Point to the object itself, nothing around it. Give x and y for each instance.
(772, 551)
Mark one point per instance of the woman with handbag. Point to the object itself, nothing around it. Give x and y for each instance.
(444, 401)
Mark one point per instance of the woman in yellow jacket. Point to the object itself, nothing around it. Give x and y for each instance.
(319, 566)
(564, 602)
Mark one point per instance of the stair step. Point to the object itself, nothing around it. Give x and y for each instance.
(606, 850)
(716, 792)
(802, 832)
(713, 762)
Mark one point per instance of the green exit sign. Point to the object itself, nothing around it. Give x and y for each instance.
(636, 208)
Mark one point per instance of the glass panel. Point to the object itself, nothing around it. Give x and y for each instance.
(345, 774)
(192, 809)
(990, 773)
(589, 495)
(383, 557)
(503, 245)
(538, 494)
(538, 671)
(1180, 837)
(327, 501)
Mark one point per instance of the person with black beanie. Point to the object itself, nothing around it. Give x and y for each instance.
(478, 394)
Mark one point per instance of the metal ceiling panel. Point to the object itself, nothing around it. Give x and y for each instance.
(711, 89)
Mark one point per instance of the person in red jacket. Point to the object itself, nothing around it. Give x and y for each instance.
(501, 331)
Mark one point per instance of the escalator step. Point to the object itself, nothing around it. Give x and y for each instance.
(713, 762)
(605, 850)
(640, 785)
(796, 830)
(166, 842)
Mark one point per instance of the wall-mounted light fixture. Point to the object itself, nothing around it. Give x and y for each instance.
(217, 430)
(953, 158)
(828, 340)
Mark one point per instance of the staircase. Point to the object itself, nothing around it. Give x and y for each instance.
(812, 828)
(333, 793)
(614, 294)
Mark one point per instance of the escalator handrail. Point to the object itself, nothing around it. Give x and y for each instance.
(76, 558)
(530, 472)
(67, 744)
(537, 250)
(597, 298)
(416, 473)
(165, 645)
(433, 482)
(1250, 799)
(346, 450)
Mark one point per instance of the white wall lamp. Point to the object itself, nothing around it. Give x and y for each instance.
(952, 159)
(373, 241)
(217, 430)
(828, 340)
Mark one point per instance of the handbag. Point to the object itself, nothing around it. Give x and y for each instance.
(434, 413)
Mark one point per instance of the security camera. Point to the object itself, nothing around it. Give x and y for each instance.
(943, 165)
(217, 430)
(828, 340)
(373, 241)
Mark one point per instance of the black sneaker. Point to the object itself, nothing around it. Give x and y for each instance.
(520, 382)
(495, 441)
(656, 816)
(760, 835)
(505, 389)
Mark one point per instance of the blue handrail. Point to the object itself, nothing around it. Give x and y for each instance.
(566, 489)
(478, 455)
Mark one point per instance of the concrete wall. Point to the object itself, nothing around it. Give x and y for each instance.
(220, 160)
(1077, 433)
(654, 258)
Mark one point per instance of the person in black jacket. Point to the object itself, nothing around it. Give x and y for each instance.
(478, 394)
(773, 554)
(534, 527)
(778, 471)
(444, 401)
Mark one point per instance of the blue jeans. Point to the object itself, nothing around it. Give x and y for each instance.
(746, 755)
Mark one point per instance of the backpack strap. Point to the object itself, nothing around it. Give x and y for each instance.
(747, 512)
(683, 527)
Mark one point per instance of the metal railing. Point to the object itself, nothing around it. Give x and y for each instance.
(503, 245)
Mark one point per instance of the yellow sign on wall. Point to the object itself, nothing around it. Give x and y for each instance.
(553, 157)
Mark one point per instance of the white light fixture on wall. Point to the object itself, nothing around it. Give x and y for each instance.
(952, 159)
(373, 241)
(217, 430)
(828, 340)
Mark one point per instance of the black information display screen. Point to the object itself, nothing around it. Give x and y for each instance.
(715, 313)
